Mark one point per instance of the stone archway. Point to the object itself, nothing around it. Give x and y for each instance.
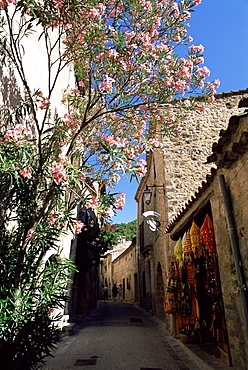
(159, 291)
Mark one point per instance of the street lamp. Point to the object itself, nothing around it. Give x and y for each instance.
(147, 194)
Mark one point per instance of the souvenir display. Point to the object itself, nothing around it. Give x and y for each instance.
(170, 301)
(178, 251)
(196, 242)
(193, 287)
(187, 248)
(207, 234)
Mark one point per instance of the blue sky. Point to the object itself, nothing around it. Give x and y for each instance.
(221, 27)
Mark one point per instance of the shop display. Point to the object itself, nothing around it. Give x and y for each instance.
(193, 287)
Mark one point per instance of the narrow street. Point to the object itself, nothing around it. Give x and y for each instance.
(121, 336)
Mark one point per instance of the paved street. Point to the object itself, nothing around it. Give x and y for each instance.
(121, 336)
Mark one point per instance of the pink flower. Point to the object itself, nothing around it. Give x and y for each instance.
(71, 123)
(109, 227)
(93, 203)
(79, 226)
(197, 49)
(44, 102)
(26, 172)
(107, 84)
(200, 60)
(32, 236)
(184, 72)
(130, 35)
(17, 134)
(217, 83)
(211, 99)
(197, 2)
(120, 201)
(115, 178)
(58, 170)
(113, 53)
(110, 211)
(147, 5)
(52, 218)
(4, 2)
(94, 13)
(175, 10)
(168, 81)
(212, 88)
(68, 26)
(203, 72)
(187, 103)
(180, 85)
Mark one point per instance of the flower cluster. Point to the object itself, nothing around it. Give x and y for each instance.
(79, 226)
(107, 84)
(126, 69)
(109, 227)
(26, 172)
(120, 201)
(110, 212)
(43, 102)
(58, 170)
(94, 202)
(4, 2)
(17, 134)
(52, 218)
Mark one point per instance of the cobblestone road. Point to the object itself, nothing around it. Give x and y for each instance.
(120, 336)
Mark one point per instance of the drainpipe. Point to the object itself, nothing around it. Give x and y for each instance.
(235, 246)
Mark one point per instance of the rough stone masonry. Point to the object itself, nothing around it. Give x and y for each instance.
(185, 156)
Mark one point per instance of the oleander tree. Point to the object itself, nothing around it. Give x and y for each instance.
(128, 74)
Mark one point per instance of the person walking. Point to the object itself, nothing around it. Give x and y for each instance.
(105, 293)
(120, 293)
(114, 292)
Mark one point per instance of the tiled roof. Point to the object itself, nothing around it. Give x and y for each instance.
(223, 155)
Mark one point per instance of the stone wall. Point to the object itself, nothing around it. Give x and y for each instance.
(106, 271)
(234, 168)
(235, 175)
(124, 268)
(185, 157)
(153, 267)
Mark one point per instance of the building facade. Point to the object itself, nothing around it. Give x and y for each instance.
(188, 167)
(119, 266)
(223, 197)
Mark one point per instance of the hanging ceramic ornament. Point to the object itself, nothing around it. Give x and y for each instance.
(207, 235)
(178, 250)
(196, 243)
(187, 248)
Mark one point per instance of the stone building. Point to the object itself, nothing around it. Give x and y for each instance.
(119, 266)
(124, 272)
(106, 268)
(185, 156)
(152, 258)
(173, 179)
(223, 196)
